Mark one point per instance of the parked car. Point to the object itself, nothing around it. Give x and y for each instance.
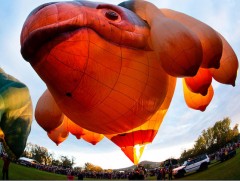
(199, 163)
(27, 161)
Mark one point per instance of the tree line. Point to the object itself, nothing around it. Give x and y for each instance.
(43, 156)
(212, 139)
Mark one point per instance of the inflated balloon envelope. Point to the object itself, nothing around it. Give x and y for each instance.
(133, 142)
(98, 68)
(47, 113)
(58, 125)
(108, 67)
(15, 115)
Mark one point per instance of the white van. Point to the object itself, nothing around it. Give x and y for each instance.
(27, 161)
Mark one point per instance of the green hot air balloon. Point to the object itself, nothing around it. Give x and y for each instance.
(15, 114)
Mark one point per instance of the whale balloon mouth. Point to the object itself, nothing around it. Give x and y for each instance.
(41, 36)
(113, 23)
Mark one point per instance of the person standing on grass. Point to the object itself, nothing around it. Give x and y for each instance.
(159, 174)
(163, 171)
(80, 175)
(6, 163)
(70, 175)
(170, 169)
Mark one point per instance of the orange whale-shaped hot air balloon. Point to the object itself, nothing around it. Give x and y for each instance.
(108, 67)
(96, 62)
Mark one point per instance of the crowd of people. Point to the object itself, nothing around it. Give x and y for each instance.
(139, 173)
(164, 173)
(226, 152)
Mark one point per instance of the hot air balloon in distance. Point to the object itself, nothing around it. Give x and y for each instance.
(15, 114)
(108, 67)
(100, 95)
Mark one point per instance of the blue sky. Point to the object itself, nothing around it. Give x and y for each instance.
(181, 125)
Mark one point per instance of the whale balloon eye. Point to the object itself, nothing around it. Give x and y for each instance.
(111, 15)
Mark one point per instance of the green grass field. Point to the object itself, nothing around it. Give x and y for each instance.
(228, 170)
(19, 172)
